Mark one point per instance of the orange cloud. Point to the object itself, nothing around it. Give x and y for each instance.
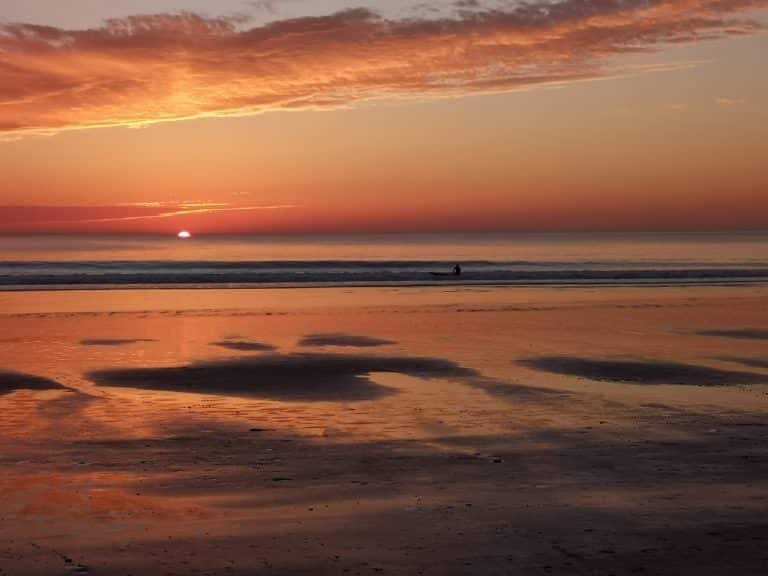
(148, 69)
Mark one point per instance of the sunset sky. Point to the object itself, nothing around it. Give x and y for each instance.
(305, 116)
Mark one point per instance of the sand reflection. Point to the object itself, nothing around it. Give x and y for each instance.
(442, 454)
(114, 341)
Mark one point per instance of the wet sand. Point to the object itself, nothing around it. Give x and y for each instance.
(373, 431)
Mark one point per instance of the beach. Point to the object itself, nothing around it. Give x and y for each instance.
(403, 430)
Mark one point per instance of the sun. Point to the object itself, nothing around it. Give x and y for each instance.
(184, 234)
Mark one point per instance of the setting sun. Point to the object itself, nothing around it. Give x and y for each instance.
(184, 234)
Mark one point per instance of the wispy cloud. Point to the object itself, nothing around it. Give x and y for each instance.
(177, 205)
(181, 211)
(146, 216)
(148, 69)
(722, 101)
(269, 6)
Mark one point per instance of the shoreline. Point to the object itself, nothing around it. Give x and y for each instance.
(289, 286)
(305, 299)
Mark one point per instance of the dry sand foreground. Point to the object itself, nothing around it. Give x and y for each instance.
(383, 431)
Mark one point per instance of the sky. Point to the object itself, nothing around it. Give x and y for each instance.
(343, 116)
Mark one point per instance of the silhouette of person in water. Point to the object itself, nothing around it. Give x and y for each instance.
(457, 270)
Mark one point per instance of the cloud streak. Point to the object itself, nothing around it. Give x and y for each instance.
(722, 101)
(148, 69)
(63, 218)
(179, 212)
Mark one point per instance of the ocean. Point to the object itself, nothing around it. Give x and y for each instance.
(61, 262)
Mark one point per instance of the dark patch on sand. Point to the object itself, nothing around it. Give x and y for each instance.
(349, 340)
(741, 334)
(642, 372)
(291, 377)
(12, 381)
(752, 362)
(244, 346)
(517, 392)
(114, 341)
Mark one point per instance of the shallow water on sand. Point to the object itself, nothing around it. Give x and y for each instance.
(452, 431)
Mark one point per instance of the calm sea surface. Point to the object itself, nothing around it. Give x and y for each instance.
(550, 259)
